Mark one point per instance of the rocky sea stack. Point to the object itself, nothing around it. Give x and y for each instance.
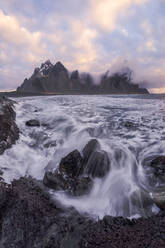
(52, 79)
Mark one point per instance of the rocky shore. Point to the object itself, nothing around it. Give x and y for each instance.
(9, 132)
(30, 217)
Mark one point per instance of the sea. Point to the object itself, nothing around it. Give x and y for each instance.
(130, 128)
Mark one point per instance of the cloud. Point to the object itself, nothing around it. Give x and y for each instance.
(106, 12)
(12, 32)
(89, 35)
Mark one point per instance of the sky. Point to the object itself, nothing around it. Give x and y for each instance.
(88, 35)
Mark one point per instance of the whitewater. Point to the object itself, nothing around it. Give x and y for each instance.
(130, 128)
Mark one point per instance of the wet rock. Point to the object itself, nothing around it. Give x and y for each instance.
(159, 165)
(55, 180)
(98, 164)
(33, 123)
(82, 186)
(9, 131)
(159, 199)
(142, 201)
(71, 164)
(154, 168)
(92, 145)
(95, 161)
(68, 176)
(29, 218)
(130, 125)
(72, 186)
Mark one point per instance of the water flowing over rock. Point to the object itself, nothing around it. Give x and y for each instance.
(75, 173)
(68, 176)
(95, 161)
(93, 145)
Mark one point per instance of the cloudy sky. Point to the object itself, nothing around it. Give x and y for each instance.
(89, 35)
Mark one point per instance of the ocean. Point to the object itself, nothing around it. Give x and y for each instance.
(130, 128)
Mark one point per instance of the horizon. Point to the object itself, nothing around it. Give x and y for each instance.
(105, 35)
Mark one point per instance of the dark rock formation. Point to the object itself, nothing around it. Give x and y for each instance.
(155, 170)
(71, 164)
(159, 198)
(29, 218)
(142, 202)
(51, 78)
(159, 165)
(98, 164)
(68, 176)
(155, 174)
(95, 161)
(9, 132)
(73, 186)
(33, 123)
(75, 173)
(91, 146)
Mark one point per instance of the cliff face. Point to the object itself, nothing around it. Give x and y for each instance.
(51, 78)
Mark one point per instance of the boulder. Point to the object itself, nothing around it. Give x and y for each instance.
(55, 180)
(154, 168)
(71, 164)
(159, 199)
(82, 186)
(142, 201)
(33, 123)
(95, 161)
(73, 186)
(158, 164)
(98, 164)
(91, 146)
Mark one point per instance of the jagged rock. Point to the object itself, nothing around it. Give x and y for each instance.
(29, 218)
(68, 176)
(33, 123)
(92, 145)
(74, 172)
(71, 164)
(9, 131)
(51, 78)
(95, 162)
(98, 164)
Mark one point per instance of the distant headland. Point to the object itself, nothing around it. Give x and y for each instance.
(56, 79)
